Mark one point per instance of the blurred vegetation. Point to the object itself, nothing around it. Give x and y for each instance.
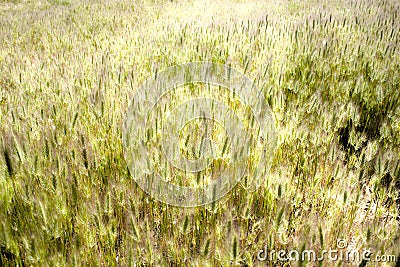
(329, 70)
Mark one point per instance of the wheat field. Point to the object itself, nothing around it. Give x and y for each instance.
(330, 71)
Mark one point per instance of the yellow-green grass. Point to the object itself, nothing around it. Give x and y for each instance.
(69, 68)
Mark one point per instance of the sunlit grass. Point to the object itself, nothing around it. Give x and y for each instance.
(330, 72)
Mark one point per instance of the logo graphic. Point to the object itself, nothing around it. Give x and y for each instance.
(193, 131)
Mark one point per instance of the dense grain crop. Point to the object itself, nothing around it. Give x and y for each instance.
(330, 70)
